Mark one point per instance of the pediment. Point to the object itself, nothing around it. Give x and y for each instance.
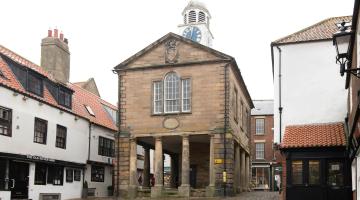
(172, 49)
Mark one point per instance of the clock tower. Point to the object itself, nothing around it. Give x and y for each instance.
(196, 23)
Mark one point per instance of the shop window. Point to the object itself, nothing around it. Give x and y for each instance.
(40, 174)
(106, 147)
(60, 137)
(40, 131)
(77, 175)
(97, 173)
(55, 175)
(2, 174)
(69, 175)
(5, 121)
(335, 174)
(297, 172)
(314, 172)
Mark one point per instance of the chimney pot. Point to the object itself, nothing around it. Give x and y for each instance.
(66, 40)
(61, 36)
(56, 33)
(49, 33)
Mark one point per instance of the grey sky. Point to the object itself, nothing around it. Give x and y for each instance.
(104, 33)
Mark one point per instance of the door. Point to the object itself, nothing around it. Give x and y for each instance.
(19, 179)
(193, 176)
(336, 180)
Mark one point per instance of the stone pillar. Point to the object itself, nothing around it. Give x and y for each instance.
(146, 178)
(242, 170)
(133, 183)
(237, 174)
(157, 190)
(210, 190)
(184, 189)
(247, 172)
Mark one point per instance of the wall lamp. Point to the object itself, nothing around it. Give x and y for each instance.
(341, 41)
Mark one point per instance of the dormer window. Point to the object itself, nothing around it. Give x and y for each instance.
(192, 16)
(172, 95)
(201, 16)
(35, 84)
(62, 95)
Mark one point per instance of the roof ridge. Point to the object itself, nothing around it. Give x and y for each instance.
(307, 28)
(312, 124)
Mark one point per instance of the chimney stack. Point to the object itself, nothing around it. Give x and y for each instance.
(55, 55)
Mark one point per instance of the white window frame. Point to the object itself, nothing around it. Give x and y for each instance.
(259, 152)
(256, 129)
(188, 94)
(177, 100)
(161, 98)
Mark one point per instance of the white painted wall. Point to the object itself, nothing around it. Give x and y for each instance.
(21, 142)
(5, 195)
(97, 131)
(312, 89)
(67, 190)
(101, 187)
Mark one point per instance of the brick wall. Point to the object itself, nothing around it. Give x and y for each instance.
(268, 137)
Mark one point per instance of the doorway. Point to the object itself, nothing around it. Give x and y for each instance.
(193, 172)
(19, 179)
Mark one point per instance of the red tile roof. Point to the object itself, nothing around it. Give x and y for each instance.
(80, 98)
(323, 30)
(314, 135)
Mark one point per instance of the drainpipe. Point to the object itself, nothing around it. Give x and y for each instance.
(280, 106)
(89, 141)
(226, 119)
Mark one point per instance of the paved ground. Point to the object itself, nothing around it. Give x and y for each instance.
(242, 196)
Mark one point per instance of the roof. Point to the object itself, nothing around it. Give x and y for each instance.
(314, 135)
(263, 107)
(323, 30)
(80, 98)
(195, 4)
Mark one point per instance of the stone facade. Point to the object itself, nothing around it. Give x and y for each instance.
(201, 141)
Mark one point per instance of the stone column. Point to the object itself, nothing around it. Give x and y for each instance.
(146, 178)
(242, 170)
(237, 174)
(156, 191)
(210, 190)
(184, 189)
(247, 172)
(133, 183)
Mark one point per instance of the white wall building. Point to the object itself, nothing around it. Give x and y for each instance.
(307, 85)
(54, 136)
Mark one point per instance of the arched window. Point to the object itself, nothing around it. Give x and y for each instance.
(192, 16)
(185, 16)
(201, 16)
(172, 93)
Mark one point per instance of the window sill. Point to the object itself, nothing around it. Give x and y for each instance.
(6, 135)
(40, 143)
(171, 114)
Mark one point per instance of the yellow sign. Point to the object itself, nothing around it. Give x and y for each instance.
(218, 161)
(224, 176)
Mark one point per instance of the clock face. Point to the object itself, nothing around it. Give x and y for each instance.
(193, 33)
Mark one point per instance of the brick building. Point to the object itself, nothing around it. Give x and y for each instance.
(189, 101)
(265, 158)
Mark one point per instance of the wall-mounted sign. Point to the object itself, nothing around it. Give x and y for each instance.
(171, 123)
(218, 161)
(32, 157)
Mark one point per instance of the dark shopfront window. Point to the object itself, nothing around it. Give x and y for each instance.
(55, 175)
(2, 174)
(297, 172)
(305, 172)
(314, 172)
(40, 174)
(335, 174)
(97, 173)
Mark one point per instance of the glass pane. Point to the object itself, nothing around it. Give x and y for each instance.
(335, 174)
(314, 172)
(259, 126)
(297, 172)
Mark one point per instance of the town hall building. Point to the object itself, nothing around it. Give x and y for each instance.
(182, 98)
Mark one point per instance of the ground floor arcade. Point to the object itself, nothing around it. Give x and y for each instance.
(201, 165)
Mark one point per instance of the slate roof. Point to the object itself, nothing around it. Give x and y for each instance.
(323, 30)
(314, 135)
(80, 97)
(263, 107)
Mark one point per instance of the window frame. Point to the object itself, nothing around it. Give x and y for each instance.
(236, 106)
(69, 175)
(161, 84)
(257, 151)
(182, 80)
(77, 175)
(176, 91)
(39, 172)
(94, 172)
(263, 126)
(58, 143)
(36, 131)
(6, 123)
(55, 175)
(104, 150)
(302, 172)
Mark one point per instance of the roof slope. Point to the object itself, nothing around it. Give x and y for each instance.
(314, 135)
(323, 30)
(263, 107)
(80, 98)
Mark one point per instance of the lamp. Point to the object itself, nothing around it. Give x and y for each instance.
(341, 41)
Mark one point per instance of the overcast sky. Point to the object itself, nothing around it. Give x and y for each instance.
(104, 33)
